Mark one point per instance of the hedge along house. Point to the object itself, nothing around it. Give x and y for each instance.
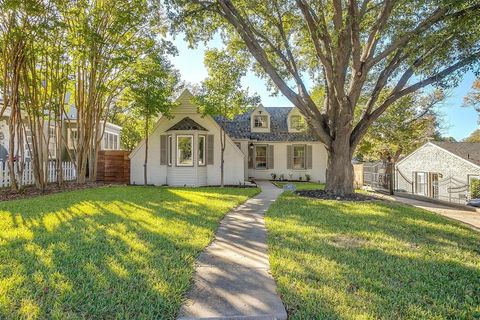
(440, 170)
(184, 150)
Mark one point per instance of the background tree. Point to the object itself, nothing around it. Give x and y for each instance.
(221, 94)
(474, 136)
(383, 50)
(404, 127)
(105, 41)
(150, 91)
(472, 99)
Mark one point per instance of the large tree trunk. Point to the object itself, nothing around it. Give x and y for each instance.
(339, 167)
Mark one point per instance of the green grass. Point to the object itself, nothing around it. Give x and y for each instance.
(107, 253)
(301, 185)
(372, 260)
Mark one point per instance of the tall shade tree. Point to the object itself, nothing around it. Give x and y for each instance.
(383, 50)
(150, 91)
(221, 94)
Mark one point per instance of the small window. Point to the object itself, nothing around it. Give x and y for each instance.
(28, 144)
(110, 141)
(72, 137)
(184, 150)
(297, 122)
(169, 150)
(201, 150)
(298, 157)
(260, 121)
(261, 157)
(52, 150)
(421, 183)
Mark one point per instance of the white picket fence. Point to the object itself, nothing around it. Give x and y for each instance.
(69, 173)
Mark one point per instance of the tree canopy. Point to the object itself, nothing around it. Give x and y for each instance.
(382, 50)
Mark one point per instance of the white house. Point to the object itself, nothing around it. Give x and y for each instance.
(184, 150)
(110, 141)
(440, 170)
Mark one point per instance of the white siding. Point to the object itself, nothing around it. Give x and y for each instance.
(191, 176)
(319, 163)
(431, 158)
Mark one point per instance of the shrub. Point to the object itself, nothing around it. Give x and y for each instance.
(281, 177)
(308, 177)
(475, 189)
(274, 176)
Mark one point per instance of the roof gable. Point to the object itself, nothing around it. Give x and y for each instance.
(469, 151)
(187, 124)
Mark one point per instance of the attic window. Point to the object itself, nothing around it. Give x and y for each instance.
(296, 122)
(260, 121)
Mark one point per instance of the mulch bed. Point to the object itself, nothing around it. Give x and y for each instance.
(321, 194)
(31, 191)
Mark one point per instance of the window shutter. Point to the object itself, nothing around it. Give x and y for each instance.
(163, 150)
(270, 156)
(289, 157)
(308, 164)
(251, 157)
(210, 149)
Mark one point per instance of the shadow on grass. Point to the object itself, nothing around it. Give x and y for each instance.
(105, 253)
(374, 260)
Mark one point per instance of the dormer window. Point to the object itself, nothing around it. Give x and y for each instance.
(260, 121)
(296, 122)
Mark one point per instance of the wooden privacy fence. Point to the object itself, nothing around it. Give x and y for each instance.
(27, 177)
(113, 166)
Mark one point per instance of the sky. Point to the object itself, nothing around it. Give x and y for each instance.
(458, 121)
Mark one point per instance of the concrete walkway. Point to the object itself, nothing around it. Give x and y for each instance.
(232, 278)
(471, 218)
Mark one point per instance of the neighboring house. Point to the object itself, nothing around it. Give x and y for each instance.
(440, 170)
(110, 141)
(185, 149)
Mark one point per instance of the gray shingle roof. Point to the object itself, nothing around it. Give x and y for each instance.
(469, 151)
(187, 124)
(240, 128)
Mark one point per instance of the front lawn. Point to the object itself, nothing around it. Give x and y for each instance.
(106, 253)
(371, 260)
(301, 185)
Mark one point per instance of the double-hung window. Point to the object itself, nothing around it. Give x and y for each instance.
(72, 137)
(298, 157)
(184, 150)
(52, 150)
(261, 157)
(420, 183)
